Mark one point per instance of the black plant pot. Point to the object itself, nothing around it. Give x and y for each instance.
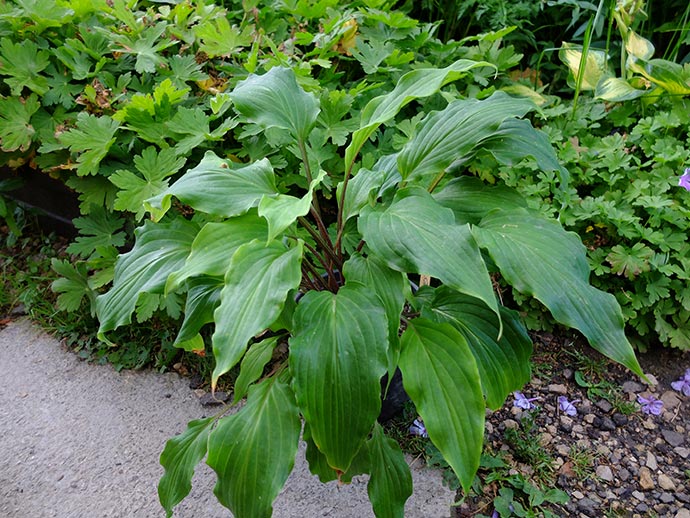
(52, 201)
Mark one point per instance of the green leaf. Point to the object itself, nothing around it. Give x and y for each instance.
(218, 38)
(72, 286)
(337, 359)
(100, 228)
(670, 76)
(416, 234)
(146, 45)
(22, 63)
(440, 374)
(390, 484)
(282, 210)
(179, 458)
(155, 167)
(253, 451)
(449, 138)
(413, 85)
(391, 287)
(256, 286)
(92, 138)
(630, 261)
(219, 187)
(159, 250)
(596, 65)
(195, 125)
(361, 190)
(537, 257)
(504, 365)
(16, 131)
(194, 344)
(471, 199)
(275, 100)
(203, 297)
(516, 140)
(214, 246)
(616, 89)
(252, 366)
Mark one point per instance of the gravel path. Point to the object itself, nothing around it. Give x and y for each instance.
(81, 440)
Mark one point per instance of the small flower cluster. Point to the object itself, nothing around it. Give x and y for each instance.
(683, 384)
(684, 180)
(648, 405)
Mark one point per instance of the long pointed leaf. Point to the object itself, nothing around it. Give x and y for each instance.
(203, 297)
(538, 257)
(503, 365)
(390, 484)
(391, 286)
(253, 365)
(219, 187)
(450, 137)
(179, 458)
(415, 234)
(337, 358)
(159, 250)
(256, 286)
(214, 246)
(275, 100)
(253, 451)
(441, 376)
(413, 85)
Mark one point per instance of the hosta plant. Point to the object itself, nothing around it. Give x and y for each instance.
(327, 270)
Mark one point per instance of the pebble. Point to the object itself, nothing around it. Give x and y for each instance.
(620, 419)
(604, 405)
(607, 424)
(649, 424)
(510, 424)
(683, 513)
(604, 473)
(666, 483)
(671, 399)
(210, 399)
(682, 452)
(651, 461)
(588, 506)
(653, 382)
(589, 418)
(557, 388)
(639, 496)
(666, 498)
(632, 387)
(673, 438)
(646, 482)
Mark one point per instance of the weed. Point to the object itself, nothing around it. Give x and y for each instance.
(525, 442)
(582, 460)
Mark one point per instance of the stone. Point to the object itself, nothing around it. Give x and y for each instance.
(577, 494)
(682, 452)
(642, 508)
(671, 399)
(620, 419)
(666, 498)
(589, 418)
(604, 405)
(666, 483)
(557, 388)
(510, 424)
(587, 506)
(649, 424)
(683, 513)
(639, 496)
(653, 382)
(624, 474)
(217, 398)
(632, 387)
(646, 481)
(673, 438)
(651, 461)
(607, 424)
(604, 473)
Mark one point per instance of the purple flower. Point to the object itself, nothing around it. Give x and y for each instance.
(418, 428)
(683, 384)
(684, 180)
(567, 407)
(650, 405)
(523, 402)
